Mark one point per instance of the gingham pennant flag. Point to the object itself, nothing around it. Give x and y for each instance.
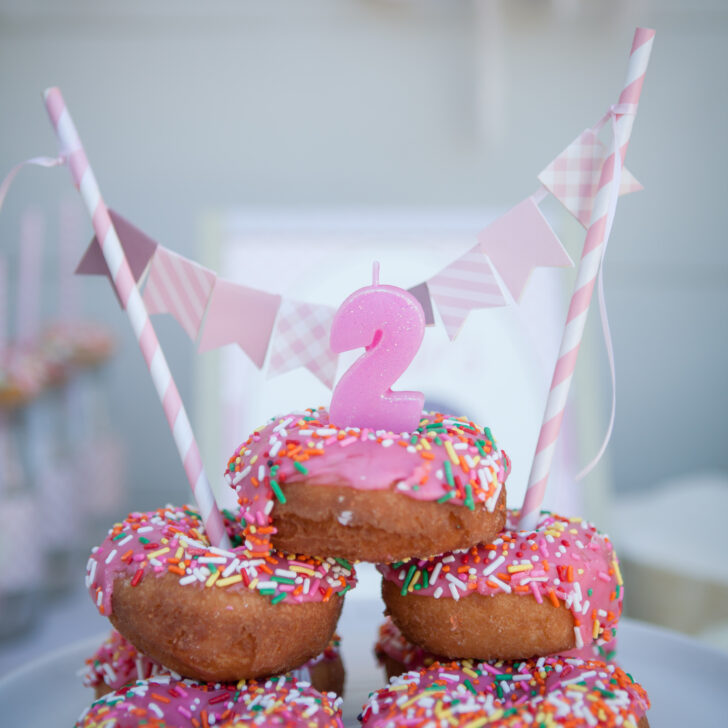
(301, 339)
(573, 177)
(178, 286)
(465, 284)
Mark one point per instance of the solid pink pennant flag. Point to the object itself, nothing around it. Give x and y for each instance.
(519, 241)
(422, 294)
(573, 177)
(240, 315)
(301, 339)
(467, 283)
(178, 286)
(138, 248)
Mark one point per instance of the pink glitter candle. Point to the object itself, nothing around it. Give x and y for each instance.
(389, 323)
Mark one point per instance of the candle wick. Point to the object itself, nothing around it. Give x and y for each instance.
(375, 273)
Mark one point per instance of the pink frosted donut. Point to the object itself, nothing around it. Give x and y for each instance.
(163, 702)
(548, 691)
(370, 495)
(396, 654)
(118, 663)
(208, 613)
(527, 593)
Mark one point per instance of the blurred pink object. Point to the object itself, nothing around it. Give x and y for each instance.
(23, 376)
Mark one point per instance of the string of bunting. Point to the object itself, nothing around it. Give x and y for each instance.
(297, 332)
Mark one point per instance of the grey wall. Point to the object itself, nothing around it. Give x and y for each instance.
(185, 107)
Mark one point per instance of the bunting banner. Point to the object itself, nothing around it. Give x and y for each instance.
(180, 287)
(301, 339)
(138, 248)
(573, 177)
(519, 241)
(219, 312)
(240, 315)
(422, 293)
(466, 284)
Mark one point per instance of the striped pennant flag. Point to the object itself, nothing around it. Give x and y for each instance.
(573, 177)
(178, 286)
(240, 315)
(467, 283)
(301, 339)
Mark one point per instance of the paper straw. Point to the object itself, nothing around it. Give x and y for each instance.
(589, 266)
(32, 233)
(85, 181)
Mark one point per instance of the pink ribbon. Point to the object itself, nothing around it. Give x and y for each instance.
(611, 115)
(38, 162)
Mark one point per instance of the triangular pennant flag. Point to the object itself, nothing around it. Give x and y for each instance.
(138, 249)
(178, 286)
(519, 241)
(301, 339)
(573, 177)
(241, 315)
(422, 294)
(467, 283)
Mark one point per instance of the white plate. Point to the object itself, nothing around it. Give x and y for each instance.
(671, 667)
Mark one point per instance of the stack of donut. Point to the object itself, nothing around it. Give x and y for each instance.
(460, 582)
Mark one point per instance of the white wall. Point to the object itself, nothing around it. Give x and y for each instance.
(185, 106)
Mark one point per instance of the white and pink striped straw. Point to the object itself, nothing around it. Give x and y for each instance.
(591, 260)
(85, 181)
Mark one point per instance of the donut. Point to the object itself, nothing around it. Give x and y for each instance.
(527, 593)
(211, 614)
(117, 663)
(326, 671)
(548, 691)
(163, 702)
(396, 654)
(367, 495)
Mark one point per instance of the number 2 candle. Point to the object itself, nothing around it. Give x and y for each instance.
(389, 323)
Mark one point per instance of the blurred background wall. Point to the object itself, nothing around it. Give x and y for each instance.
(186, 107)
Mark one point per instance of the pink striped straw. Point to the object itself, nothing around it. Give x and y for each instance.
(85, 181)
(591, 260)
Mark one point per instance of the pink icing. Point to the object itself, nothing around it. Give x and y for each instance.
(163, 702)
(446, 459)
(563, 560)
(538, 692)
(117, 663)
(172, 540)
